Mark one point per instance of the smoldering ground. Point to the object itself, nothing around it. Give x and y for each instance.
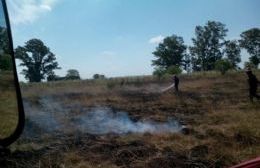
(50, 115)
(57, 126)
(221, 124)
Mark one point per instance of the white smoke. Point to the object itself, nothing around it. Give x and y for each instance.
(102, 120)
(50, 116)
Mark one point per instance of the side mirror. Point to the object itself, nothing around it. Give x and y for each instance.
(11, 107)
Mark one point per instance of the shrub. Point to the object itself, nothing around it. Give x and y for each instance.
(223, 65)
(111, 84)
(159, 72)
(249, 65)
(98, 76)
(6, 62)
(174, 70)
(72, 74)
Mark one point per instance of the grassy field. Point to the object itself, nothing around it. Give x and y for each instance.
(8, 104)
(222, 126)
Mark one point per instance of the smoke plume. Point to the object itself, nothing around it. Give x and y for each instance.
(50, 115)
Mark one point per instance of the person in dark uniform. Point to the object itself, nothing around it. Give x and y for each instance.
(253, 82)
(176, 83)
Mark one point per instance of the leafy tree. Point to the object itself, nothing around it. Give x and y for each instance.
(174, 70)
(255, 61)
(38, 60)
(170, 52)
(249, 65)
(207, 45)
(250, 40)
(73, 74)
(53, 77)
(95, 76)
(232, 51)
(159, 72)
(4, 42)
(98, 76)
(6, 62)
(223, 65)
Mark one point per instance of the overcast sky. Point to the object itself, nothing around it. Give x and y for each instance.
(117, 37)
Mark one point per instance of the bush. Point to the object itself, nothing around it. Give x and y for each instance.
(160, 72)
(52, 77)
(249, 65)
(223, 65)
(98, 76)
(174, 70)
(6, 62)
(111, 84)
(72, 74)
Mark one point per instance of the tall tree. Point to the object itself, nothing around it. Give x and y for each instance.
(207, 45)
(232, 51)
(250, 40)
(170, 52)
(38, 60)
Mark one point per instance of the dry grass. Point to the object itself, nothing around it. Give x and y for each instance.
(224, 127)
(8, 104)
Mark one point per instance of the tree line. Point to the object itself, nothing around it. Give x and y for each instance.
(210, 50)
(40, 63)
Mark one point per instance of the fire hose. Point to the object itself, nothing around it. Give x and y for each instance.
(168, 88)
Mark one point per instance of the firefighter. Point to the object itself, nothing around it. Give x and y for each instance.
(176, 82)
(253, 82)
